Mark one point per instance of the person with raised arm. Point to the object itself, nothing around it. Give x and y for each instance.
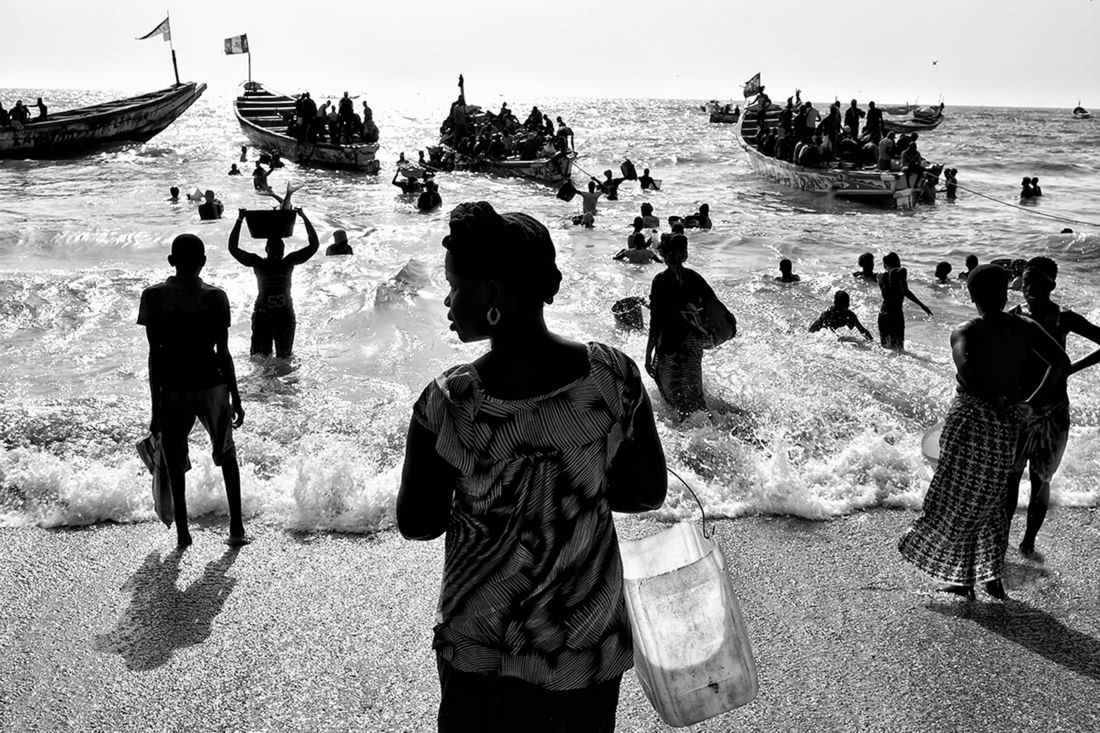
(273, 320)
(894, 285)
(520, 457)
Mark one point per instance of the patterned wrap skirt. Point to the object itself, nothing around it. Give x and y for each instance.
(961, 535)
(680, 376)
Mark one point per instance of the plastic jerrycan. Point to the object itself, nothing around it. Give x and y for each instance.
(691, 648)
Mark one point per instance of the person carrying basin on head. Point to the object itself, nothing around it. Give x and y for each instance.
(273, 321)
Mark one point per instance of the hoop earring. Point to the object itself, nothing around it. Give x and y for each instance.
(493, 316)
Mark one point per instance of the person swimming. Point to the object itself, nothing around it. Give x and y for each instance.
(839, 316)
(971, 263)
(234, 170)
(786, 274)
(867, 272)
(339, 244)
(943, 269)
(638, 251)
(174, 195)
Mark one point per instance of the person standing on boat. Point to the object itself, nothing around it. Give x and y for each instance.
(813, 119)
(5, 118)
(786, 117)
(1046, 430)
(886, 152)
(874, 122)
(894, 286)
(19, 115)
(565, 137)
(41, 110)
(851, 119)
(273, 319)
(961, 534)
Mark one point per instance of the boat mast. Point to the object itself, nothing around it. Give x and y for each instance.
(175, 68)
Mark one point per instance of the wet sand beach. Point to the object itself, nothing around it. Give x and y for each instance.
(107, 628)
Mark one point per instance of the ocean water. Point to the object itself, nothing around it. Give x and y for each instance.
(809, 425)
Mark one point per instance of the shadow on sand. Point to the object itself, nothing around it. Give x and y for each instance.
(161, 617)
(1033, 629)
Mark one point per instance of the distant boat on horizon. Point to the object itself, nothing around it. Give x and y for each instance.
(1080, 113)
(76, 131)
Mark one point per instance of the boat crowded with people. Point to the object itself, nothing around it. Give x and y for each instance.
(912, 118)
(844, 176)
(473, 139)
(75, 131)
(295, 129)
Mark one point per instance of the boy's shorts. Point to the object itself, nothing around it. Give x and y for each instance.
(211, 407)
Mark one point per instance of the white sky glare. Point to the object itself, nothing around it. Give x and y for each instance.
(1039, 53)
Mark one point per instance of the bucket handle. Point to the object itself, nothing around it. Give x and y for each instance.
(695, 496)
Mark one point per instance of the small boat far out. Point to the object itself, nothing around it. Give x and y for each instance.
(75, 131)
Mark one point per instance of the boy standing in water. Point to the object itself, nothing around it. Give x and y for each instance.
(895, 289)
(191, 376)
(1046, 431)
(273, 316)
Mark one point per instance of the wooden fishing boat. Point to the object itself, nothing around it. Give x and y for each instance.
(915, 119)
(264, 116)
(74, 131)
(842, 180)
(725, 118)
(1080, 113)
(551, 171)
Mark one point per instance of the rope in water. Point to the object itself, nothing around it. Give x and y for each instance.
(1030, 211)
(694, 496)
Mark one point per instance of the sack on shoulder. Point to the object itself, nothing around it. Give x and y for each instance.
(718, 322)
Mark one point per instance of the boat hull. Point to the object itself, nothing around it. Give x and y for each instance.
(870, 186)
(257, 113)
(72, 132)
(725, 118)
(551, 171)
(1082, 115)
(896, 124)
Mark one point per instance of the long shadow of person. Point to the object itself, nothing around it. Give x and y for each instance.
(1033, 629)
(161, 617)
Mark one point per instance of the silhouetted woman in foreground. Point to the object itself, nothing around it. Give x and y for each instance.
(962, 534)
(520, 458)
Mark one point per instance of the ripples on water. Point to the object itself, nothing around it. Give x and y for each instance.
(809, 426)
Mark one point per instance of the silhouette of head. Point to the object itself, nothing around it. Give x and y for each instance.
(704, 209)
(647, 209)
(209, 196)
(639, 222)
(674, 250)
(988, 287)
(174, 191)
(591, 187)
(1026, 181)
(1034, 181)
(637, 241)
(275, 248)
(1040, 278)
(943, 269)
(188, 255)
(841, 299)
(866, 261)
(971, 262)
(497, 261)
(785, 266)
(891, 260)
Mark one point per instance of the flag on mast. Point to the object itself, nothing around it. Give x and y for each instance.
(752, 86)
(237, 44)
(162, 28)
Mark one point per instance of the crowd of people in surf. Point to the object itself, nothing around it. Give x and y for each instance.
(338, 124)
(20, 114)
(587, 410)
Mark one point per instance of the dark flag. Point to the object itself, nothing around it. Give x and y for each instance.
(752, 86)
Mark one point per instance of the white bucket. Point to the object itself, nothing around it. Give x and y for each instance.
(691, 649)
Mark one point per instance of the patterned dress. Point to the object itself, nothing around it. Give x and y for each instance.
(532, 579)
(961, 535)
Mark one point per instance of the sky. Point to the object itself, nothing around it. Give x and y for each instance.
(1038, 53)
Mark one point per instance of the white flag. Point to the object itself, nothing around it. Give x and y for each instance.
(237, 44)
(162, 28)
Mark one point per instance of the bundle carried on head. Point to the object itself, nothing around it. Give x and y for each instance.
(513, 249)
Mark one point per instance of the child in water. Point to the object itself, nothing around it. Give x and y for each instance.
(839, 316)
(638, 251)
